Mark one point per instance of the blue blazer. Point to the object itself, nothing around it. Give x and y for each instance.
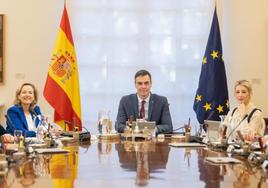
(158, 111)
(16, 119)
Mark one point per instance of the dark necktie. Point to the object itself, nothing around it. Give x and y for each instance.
(142, 111)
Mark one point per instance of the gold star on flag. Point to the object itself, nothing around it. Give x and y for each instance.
(220, 108)
(227, 104)
(204, 60)
(214, 54)
(207, 106)
(198, 98)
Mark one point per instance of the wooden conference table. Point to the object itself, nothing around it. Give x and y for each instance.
(131, 164)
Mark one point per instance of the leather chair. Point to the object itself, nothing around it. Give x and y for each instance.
(266, 126)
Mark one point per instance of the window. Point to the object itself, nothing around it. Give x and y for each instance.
(116, 38)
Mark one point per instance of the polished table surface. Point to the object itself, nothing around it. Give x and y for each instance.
(131, 164)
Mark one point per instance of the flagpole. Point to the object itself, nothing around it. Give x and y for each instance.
(211, 98)
(64, 82)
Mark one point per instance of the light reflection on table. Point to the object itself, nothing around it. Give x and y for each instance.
(131, 164)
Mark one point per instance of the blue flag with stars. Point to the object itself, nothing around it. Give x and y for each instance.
(211, 99)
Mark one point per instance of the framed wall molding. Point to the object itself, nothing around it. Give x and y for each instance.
(1, 48)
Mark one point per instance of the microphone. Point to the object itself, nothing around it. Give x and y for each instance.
(240, 136)
(81, 136)
(261, 144)
(36, 116)
(224, 132)
(186, 127)
(182, 127)
(209, 116)
(235, 128)
(33, 112)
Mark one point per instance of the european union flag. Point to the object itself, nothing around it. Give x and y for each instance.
(211, 99)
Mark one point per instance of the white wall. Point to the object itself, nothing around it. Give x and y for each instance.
(245, 43)
(31, 27)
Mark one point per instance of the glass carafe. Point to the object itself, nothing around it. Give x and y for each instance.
(104, 122)
(222, 128)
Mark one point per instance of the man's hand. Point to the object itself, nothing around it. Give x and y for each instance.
(7, 138)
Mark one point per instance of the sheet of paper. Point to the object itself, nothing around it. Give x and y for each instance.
(51, 150)
(222, 160)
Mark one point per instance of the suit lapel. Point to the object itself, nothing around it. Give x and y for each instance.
(136, 106)
(151, 104)
(22, 116)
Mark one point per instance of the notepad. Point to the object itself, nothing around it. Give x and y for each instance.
(222, 160)
(51, 150)
(184, 144)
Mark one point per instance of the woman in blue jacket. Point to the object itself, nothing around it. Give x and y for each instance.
(23, 114)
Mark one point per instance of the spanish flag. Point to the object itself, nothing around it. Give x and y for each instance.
(62, 85)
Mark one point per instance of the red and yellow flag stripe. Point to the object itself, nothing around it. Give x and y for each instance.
(62, 86)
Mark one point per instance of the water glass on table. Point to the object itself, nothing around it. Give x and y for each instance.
(104, 120)
(17, 135)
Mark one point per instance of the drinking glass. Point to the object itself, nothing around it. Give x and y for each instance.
(104, 120)
(221, 127)
(17, 135)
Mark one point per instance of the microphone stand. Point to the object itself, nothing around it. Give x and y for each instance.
(52, 143)
(203, 126)
(230, 134)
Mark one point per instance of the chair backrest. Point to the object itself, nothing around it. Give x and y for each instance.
(266, 126)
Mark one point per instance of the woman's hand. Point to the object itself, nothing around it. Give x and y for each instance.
(250, 136)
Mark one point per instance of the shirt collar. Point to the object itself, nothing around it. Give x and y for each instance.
(146, 100)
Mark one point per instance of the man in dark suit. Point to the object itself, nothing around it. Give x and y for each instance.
(144, 105)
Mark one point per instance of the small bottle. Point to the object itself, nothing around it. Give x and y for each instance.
(21, 144)
(76, 134)
(130, 121)
(41, 130)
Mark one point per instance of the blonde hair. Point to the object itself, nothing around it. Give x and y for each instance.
(18, 92)
(244, 83)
